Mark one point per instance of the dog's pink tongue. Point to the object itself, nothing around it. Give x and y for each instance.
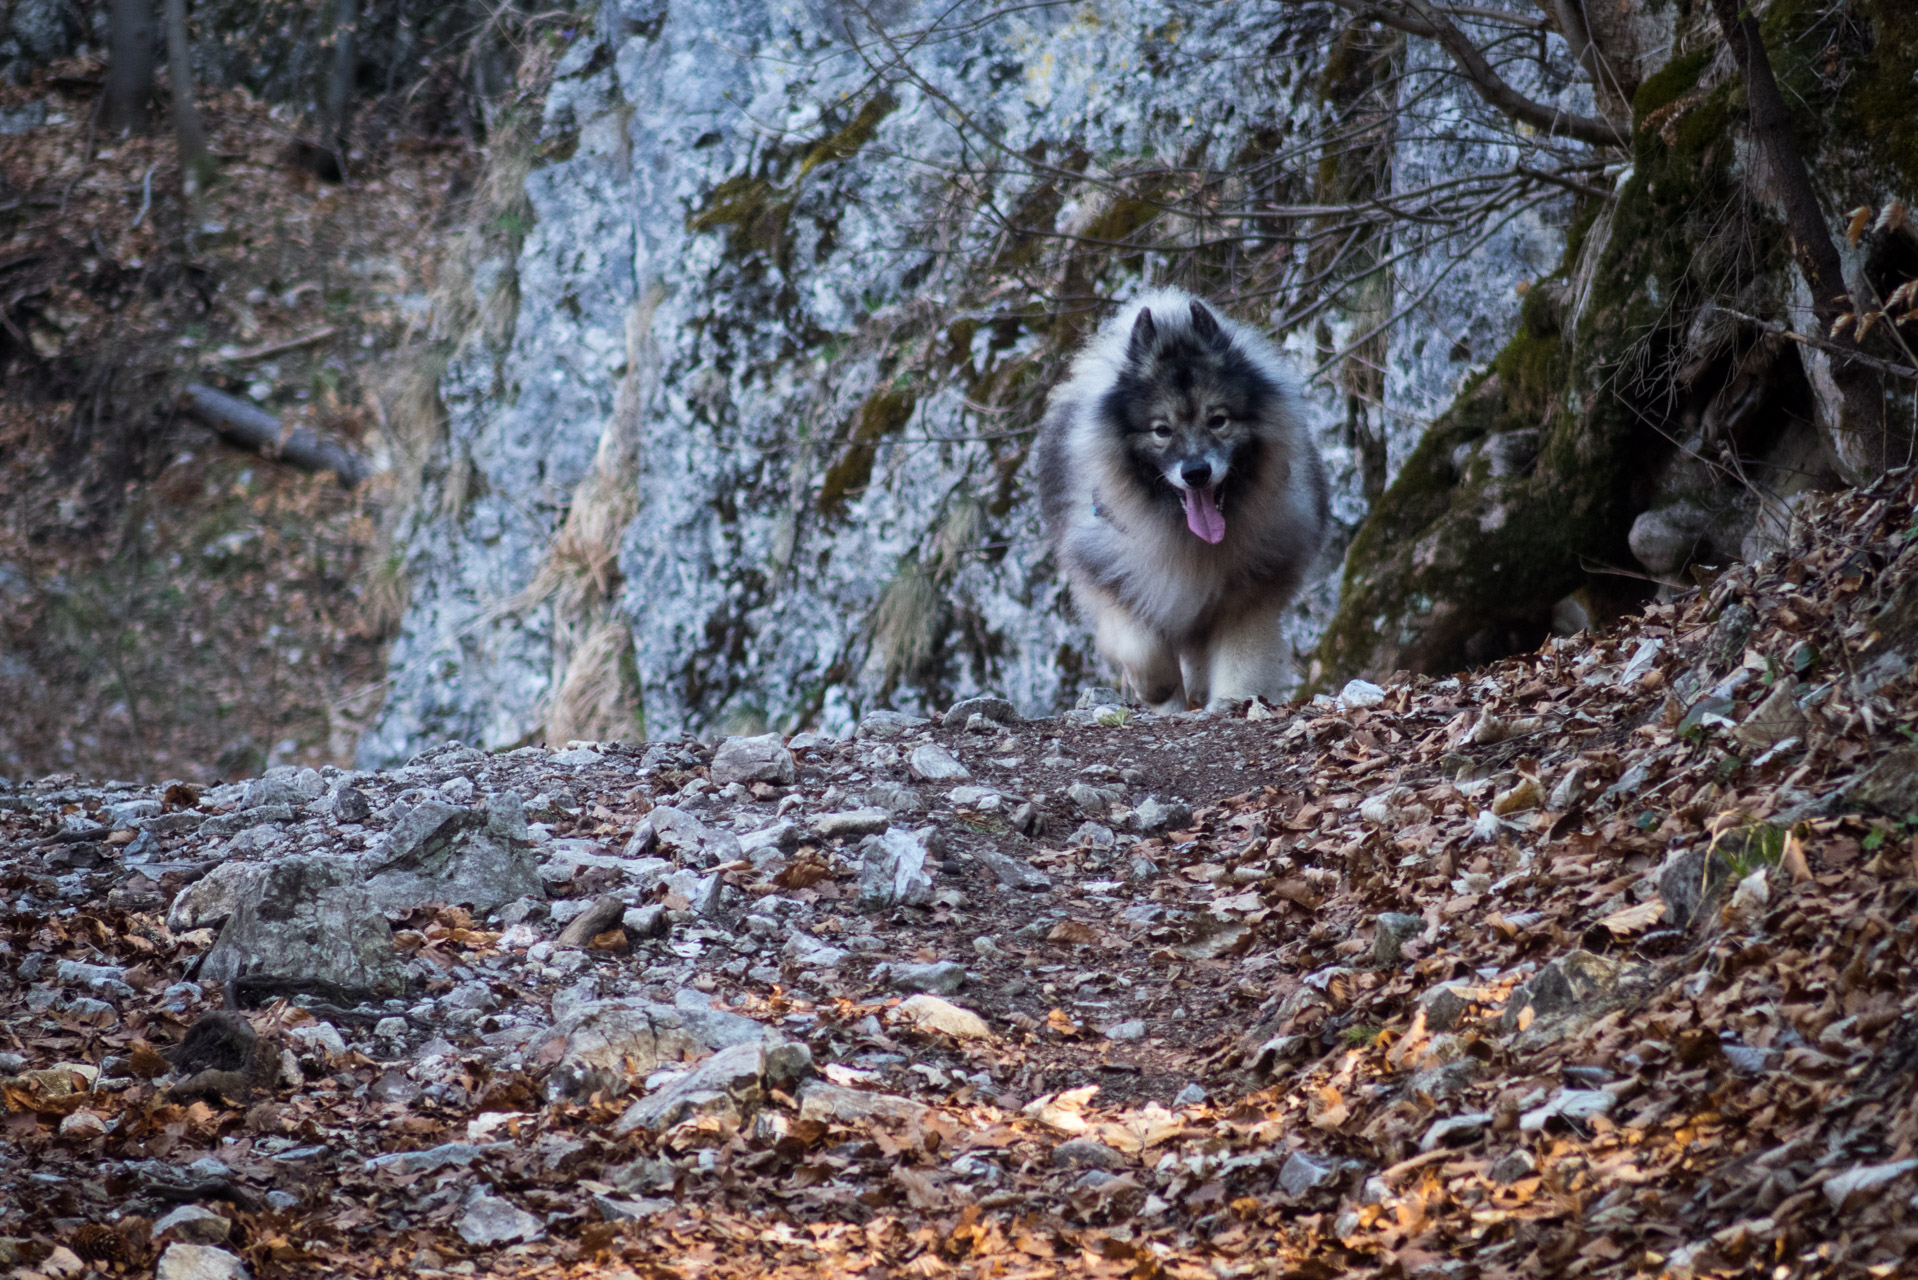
(1202, 514)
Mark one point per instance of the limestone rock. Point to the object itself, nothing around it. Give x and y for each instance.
(885, 726)
(748, 760)
(941, 978)
(194, 1225)
(851, 823)
(990, 707)
(308, 921)
(933, 763)
(892, 870)
(836, 1103)
(605, 1044)
(200, 1262)
(491, 1219)
(930, 1013)
(439, 852)
(733, 1080)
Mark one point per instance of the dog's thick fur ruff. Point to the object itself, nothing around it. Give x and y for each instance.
(1184, 500)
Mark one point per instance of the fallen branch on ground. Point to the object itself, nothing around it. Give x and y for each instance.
(261, 432)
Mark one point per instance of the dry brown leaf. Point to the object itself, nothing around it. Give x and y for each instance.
(1860, 218)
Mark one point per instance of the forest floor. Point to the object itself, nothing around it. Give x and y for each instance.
(171, 606)
(1596, 962)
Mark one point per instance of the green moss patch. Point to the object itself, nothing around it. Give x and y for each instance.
(886, 412)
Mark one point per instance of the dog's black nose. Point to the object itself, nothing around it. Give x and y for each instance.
(1195, 475)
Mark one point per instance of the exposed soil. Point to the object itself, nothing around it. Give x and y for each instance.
(174, 607)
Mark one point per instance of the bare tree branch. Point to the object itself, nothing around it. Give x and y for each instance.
(1428, 22)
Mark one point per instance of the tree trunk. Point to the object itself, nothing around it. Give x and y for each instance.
(1861, 437)
(339, 85)
(129, 84)
(195, 163)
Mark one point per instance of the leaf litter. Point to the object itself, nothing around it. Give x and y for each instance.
(1533, 971)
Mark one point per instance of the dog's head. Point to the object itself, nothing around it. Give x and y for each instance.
(1189, 407)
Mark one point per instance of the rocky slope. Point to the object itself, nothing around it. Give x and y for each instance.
(1592, 962)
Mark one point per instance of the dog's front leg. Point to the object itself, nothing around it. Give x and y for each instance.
(1149, 663)
(1246, 658)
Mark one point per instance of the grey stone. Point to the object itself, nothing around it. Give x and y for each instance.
(1091, 800)
(129, 813)
(732, 1081)
(809, 952)
(1302, 1173)
(886, 726)
(941, 978)
(895, 799)
(851, 824)
(1665, 539)
(933, 763)
(622, 1209)
(1359, 695)
(1190, 1096)
(200, 1262)
(1456, 1131)
(1011, 872)
(1512, 1166)
(991, 708)
(675, 829)
(646, 922)
(1130, 1029)
(491, 1219)
(350, 804)
(748, 760)
(22, 119)
(288, 785)
(1690, 880)
(308, 920)
(1890, 786)
(194, 1225)
(448, 1155)
(605, 1044)
(174, 824)
(607, 912)
(1573, 983)
(1446, 1005)
(1154, 815)
(438, 852)
(1088, 1151)
(227, 824)
(1098, 696)
(819, 1100)
(762, 846)
(892, 870)
(1392, 930)
(1567, 1106)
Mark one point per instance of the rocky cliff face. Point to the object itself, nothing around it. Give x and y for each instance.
(737, 436)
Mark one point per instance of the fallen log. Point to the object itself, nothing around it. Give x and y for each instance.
(259, 431)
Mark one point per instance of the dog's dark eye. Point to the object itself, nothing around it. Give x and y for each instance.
(1162, 430)
(1217, 421)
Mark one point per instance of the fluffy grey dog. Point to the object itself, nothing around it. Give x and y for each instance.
(1184, 498)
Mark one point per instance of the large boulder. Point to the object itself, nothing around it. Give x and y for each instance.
(603, 1045)
(308, 924)
(440, 852)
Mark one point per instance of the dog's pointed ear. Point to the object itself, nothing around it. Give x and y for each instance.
(1145, 336)
(1206, 327)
